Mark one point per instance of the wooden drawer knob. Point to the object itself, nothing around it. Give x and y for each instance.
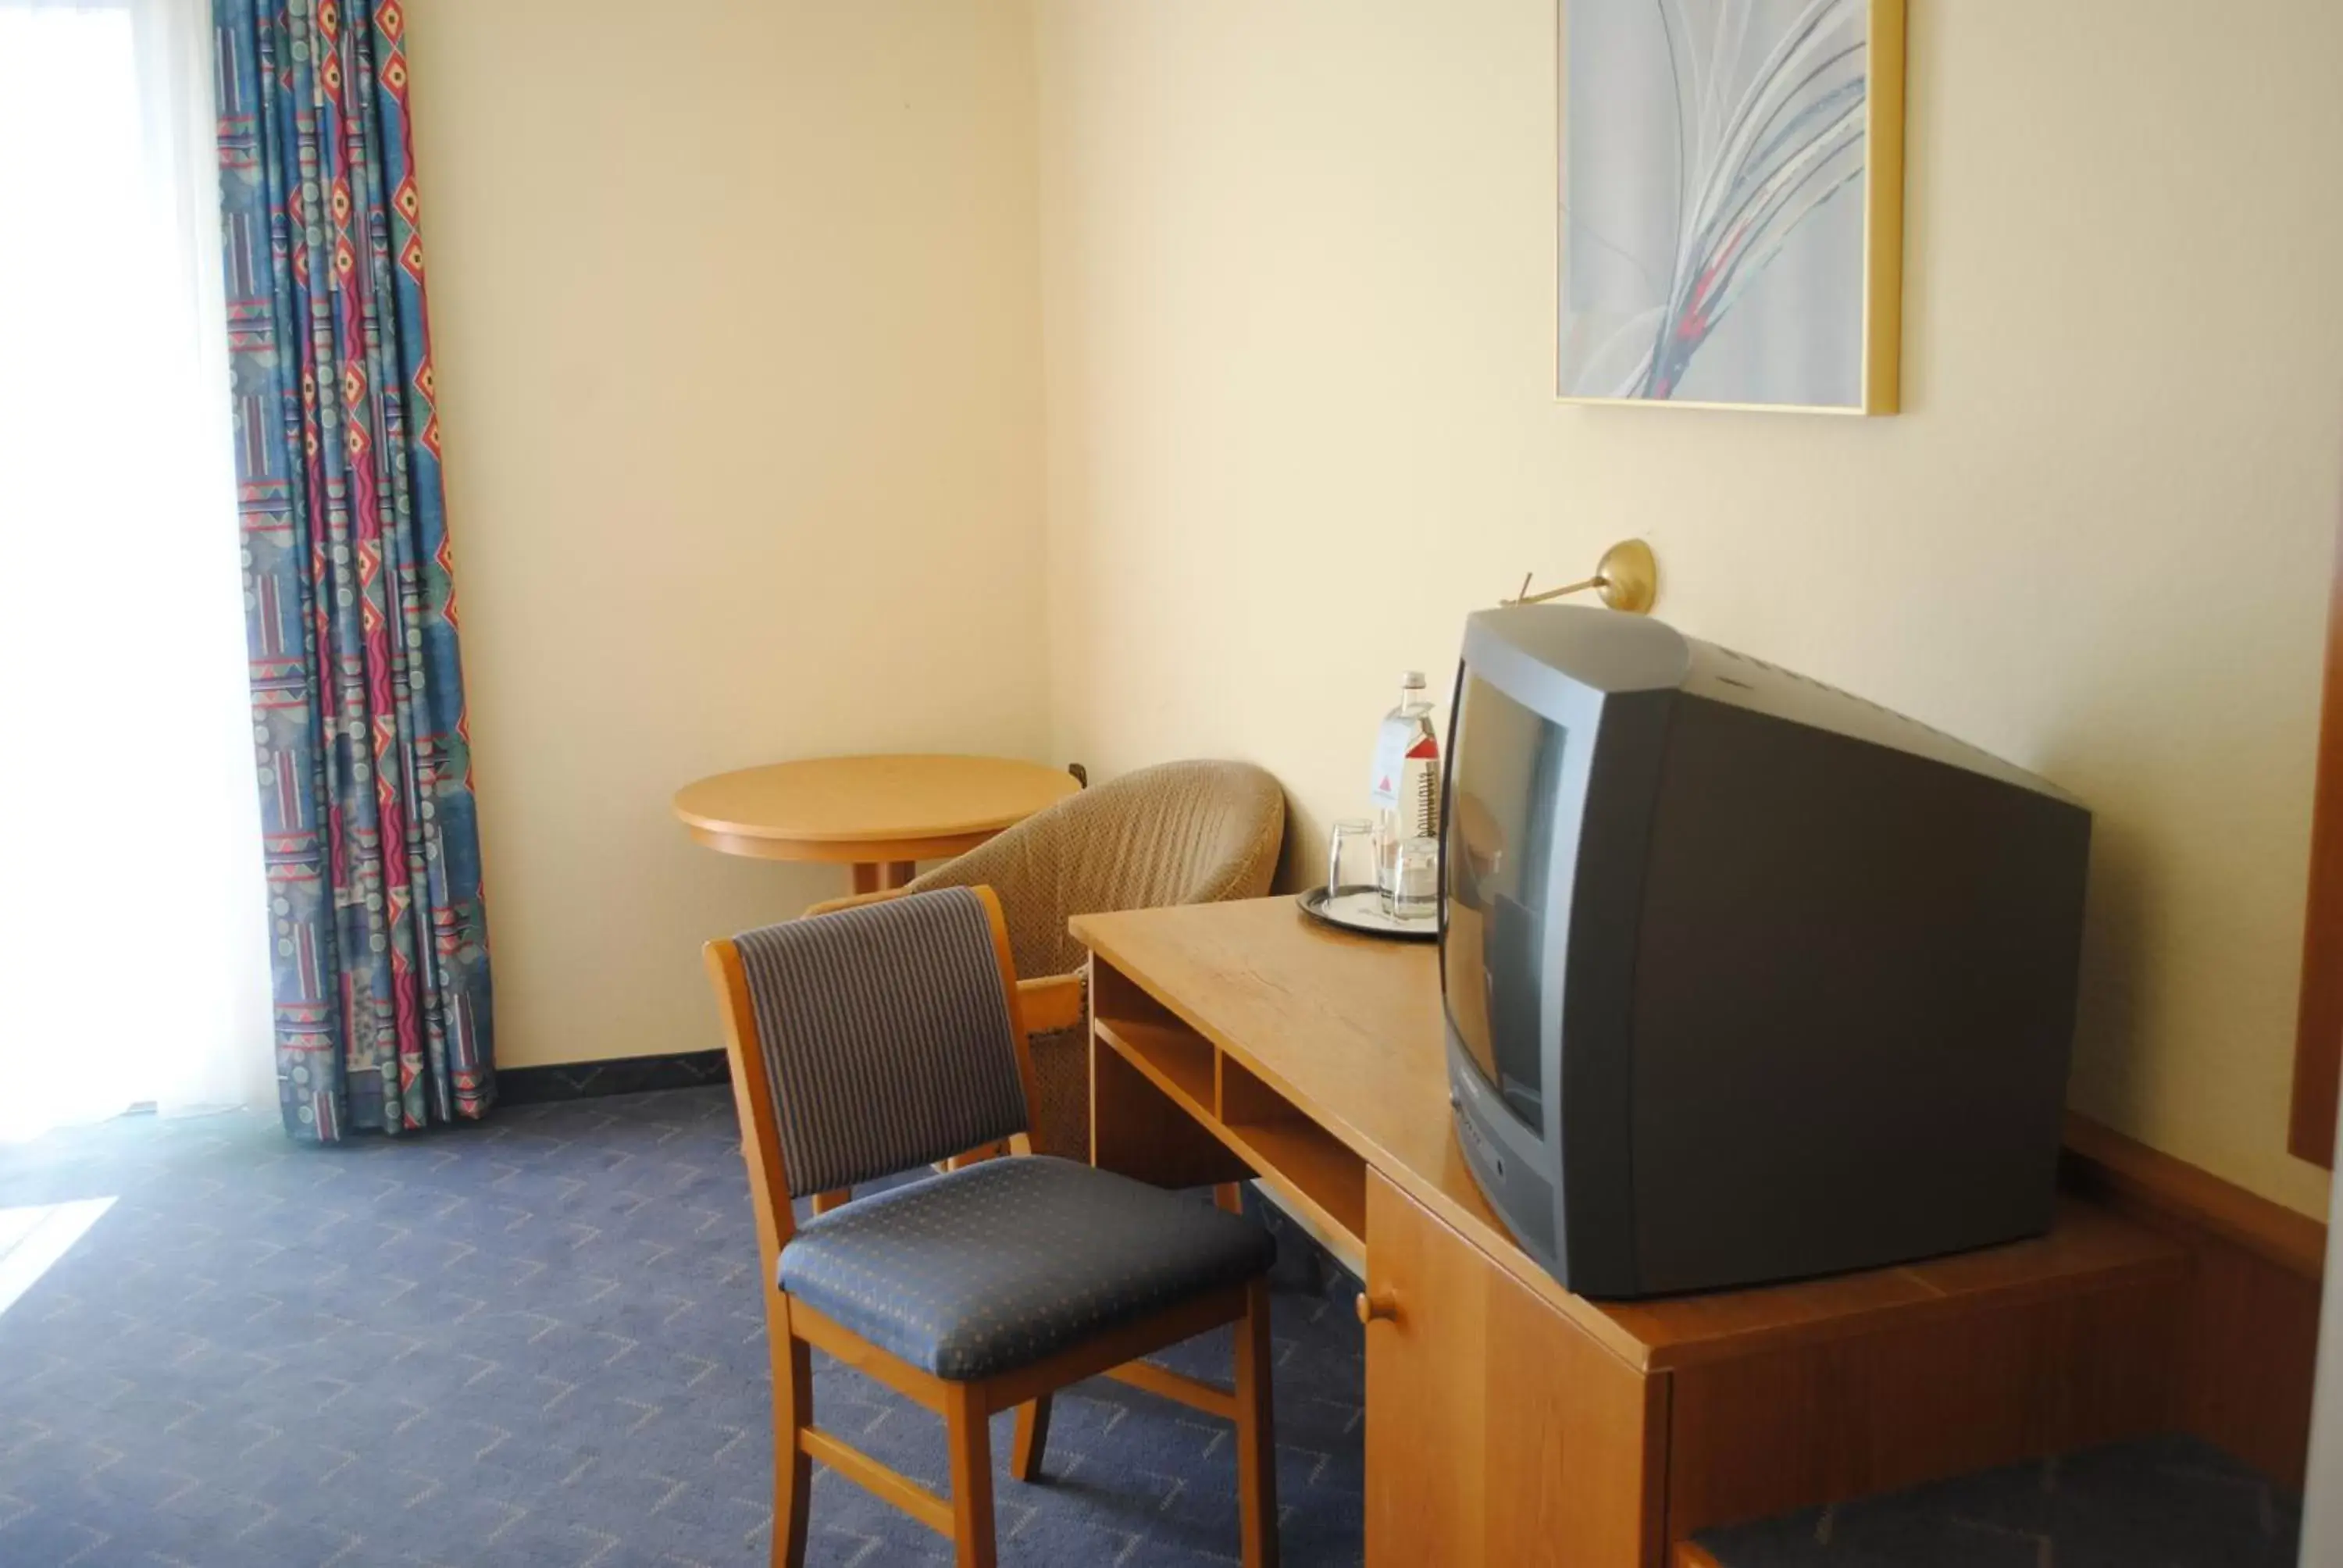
(1379, 1306)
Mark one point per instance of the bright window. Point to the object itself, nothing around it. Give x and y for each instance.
(132, 923)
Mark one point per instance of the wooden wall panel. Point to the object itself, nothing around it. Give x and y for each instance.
(2318, 1017)
(2252, 1340)
(2250, 1332)
(1768, 1434)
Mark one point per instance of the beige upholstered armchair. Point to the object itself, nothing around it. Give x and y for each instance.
(1177, 833)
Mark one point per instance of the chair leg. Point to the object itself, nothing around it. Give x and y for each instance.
(792, 1467)
(972, 1476)
(1033, 1437)
(1256, 1431)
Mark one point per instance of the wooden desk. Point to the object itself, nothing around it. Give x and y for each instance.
(881, 815)
(1511, 1423)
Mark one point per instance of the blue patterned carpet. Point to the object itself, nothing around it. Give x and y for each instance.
(536, 1341)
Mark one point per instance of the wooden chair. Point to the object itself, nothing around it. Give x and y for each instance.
(878, 1039)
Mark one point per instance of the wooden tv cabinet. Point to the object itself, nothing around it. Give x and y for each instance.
(1510, 1421)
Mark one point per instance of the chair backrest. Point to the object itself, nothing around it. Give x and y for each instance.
(1189, 833)
(888, 1035)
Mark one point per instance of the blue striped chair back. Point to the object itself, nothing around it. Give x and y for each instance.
(886, 1037)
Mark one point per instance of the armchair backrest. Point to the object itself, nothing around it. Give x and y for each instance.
(1177, 833)
(888, 1036)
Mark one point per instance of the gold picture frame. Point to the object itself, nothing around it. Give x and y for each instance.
(1805, 94)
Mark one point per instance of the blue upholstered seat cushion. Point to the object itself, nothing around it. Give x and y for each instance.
(1000, 1264)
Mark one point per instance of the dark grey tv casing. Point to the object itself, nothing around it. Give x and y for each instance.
(1809, 1000)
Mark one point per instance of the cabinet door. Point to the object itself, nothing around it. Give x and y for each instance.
(1497, 1433)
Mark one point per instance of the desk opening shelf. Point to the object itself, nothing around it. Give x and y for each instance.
(1251, 1129)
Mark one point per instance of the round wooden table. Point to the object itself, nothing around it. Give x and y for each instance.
(878, 814)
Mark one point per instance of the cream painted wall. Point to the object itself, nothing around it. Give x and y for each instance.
(1298, 265)
(735, 316)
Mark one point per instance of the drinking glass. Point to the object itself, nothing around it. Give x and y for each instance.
(1414, 892)
(1350, 857)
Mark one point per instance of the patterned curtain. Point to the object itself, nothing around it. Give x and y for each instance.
(381, 942)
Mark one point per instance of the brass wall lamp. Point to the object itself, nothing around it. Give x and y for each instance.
(1627, 578)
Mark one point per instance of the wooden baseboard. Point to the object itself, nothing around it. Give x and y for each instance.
(2249, 1332)
(2146, 1182)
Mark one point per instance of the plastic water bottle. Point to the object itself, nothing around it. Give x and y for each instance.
(1406, 785)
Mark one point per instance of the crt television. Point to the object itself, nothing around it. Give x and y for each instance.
(1745, 978)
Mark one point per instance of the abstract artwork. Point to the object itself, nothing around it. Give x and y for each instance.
(1732, 203)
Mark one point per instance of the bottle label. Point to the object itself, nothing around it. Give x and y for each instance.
(1391, 743)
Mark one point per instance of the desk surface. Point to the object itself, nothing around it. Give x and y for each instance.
(1348, 1029)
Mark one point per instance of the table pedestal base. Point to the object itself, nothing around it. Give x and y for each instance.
(877, 876)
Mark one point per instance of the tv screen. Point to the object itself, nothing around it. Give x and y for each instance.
(1499, 867)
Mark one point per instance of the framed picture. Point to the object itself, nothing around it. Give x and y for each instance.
(1731, 212)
